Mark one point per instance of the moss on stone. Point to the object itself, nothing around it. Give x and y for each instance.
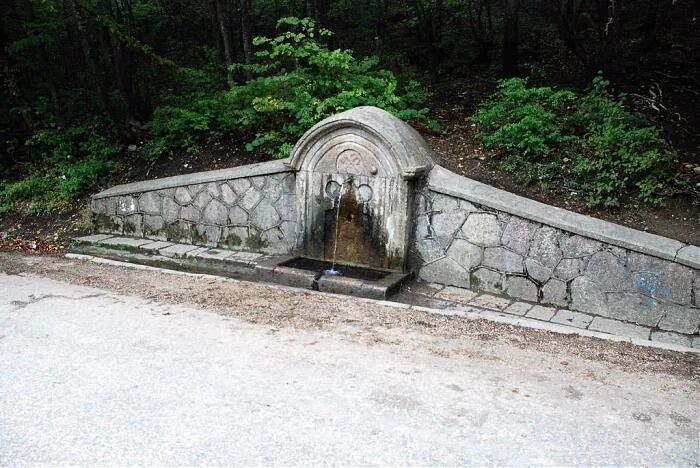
(255, 242)
(233, 240)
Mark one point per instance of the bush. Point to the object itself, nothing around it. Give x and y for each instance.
(71, 162)
(603, 149)
(297, 81)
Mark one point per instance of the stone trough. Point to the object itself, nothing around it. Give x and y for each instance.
(362, 189)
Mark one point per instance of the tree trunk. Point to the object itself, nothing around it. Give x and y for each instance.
(510, 38)
(87, 54)
(226, 40)
(246, 35)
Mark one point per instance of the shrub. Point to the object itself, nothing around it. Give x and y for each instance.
(297, 81)
(592, 140)
(71, 162)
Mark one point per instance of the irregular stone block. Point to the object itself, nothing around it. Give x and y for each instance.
(467, 207)
(233, 237)
(482, 229)
(213, 189)
(190, 213)
(573, 319)
(153, 226)
(204, 234)
(237, 215)
(605, 269)
(521, 288)
(568, 269)
(265, 216)
(633, 307)
(202, 199)
(133, 225)
(661, 279)
(289, 230)
(170, 210)
(696, 288)
(579, 246)
(487, 280)
(258, 182)
(149, 203)
(554, 292)
(586, 296)
(446, 225)
(179, 231)
(503, 260)
(182, 196)
(680, 319)
(98, 206)
(518, 234)
(545, 246)
(240, 186)
(425, 244)
(250, 199)
(227, 195)
(445, 271)
(444, 203)
(541, 313)
(275, 240)
(538, 271)
(466, 254)
(126, 205)
(215, 213)
(615, 327)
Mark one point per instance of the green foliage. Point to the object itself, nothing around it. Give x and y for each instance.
(545, 134)
(296, 82)
(71, 162)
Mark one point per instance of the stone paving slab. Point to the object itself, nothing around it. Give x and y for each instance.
(125, 241)
(215, 254)
(196, 252)
(490, 302)
(574, 319)
(452, 293)
(671, 338)
(93, 238)
(615, 327)
(177, 250)
(541, 313)
(245, 257)
(156, 246)
(518, 308)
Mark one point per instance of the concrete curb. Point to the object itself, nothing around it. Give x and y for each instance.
(472, 313)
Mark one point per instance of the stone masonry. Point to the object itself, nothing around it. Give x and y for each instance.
(463, 244)
(247, 213)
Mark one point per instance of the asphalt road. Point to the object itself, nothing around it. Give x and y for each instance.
(93, 377)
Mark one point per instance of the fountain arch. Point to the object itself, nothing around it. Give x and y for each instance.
(354, 177)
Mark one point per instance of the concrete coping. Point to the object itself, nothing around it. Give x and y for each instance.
(249, 170)
(447, 182)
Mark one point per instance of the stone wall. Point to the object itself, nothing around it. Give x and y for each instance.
(460, 241)
(248, 210)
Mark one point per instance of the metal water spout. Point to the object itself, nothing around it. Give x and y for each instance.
(332, 271)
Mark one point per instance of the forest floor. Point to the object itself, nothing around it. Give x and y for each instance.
(457, 145)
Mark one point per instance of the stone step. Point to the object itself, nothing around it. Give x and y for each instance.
(245, 265)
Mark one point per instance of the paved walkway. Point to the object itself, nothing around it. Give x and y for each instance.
(89, 376)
